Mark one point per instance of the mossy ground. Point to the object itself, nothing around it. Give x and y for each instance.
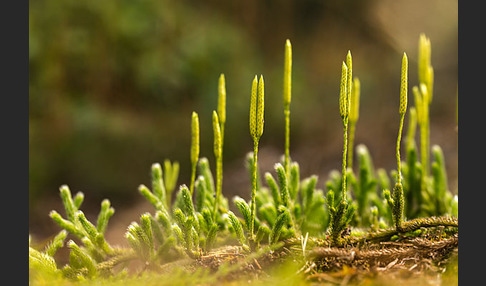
(429, 259)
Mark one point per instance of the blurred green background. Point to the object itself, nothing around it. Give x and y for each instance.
(112, 85)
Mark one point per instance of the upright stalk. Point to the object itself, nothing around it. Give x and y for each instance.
(397, 203)
(222, 105)
(425, 90)
(344, 109)
(256, 131)
(194, 148)
(345, 150)
(286, 99)
(219, 119)
(218, 154)
(253, 190)
(340, 213)
(353, 118)
(402, 111)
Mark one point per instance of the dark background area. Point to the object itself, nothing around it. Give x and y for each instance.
(112, 86)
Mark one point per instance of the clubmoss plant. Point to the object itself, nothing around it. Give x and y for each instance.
(218, 154)
(237, 227)
(423, 98)
(256, 131)
(219, 120)
(78, 225)
(283, 208)
(194, 148)
(287, 94)
(402, 110)
(353, 117)
(43, 262)
(285, 205)
(158, 197)
(344, 109)
(341, 213)
(303, 201)
(420, 182)
(397, 202)
(88, 258)
(412, 170)
(364, 186)
(222, 105)
(439, 201)
(171, 174)
(205, 191)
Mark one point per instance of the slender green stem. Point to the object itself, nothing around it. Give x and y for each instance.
(345, 150)
(424, 145)
(218, 154)
(344, 106)
(287, 94)
(193, 177)
(399, 165)
(352, 126)
(219, 181)
(222, 120)
(412, 127)
(402, 110)
(287, 142)
(353, 117)
(253, 190)
(194, 148)
(256, 131)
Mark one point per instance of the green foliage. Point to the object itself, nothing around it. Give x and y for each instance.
(284, 207)
(43, 262)
(170, 177)
(364, 186)
(438, 198)
(78, 225)
(339, 217)
(237, 227)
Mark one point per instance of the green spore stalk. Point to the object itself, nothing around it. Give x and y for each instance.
(353, 117)
(256, 131)
(222, 105)
(218, 154)
(194, 148)
(344, 107)
(287, 93)
(397, 203)
(423, 98)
